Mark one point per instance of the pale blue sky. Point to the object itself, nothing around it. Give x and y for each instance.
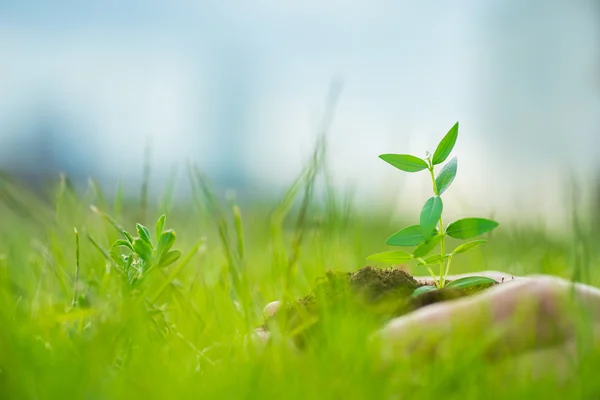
(247, 80)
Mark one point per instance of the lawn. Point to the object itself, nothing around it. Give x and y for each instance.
(74, 325)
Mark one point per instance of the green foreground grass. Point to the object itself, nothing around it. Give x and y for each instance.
(182, 332)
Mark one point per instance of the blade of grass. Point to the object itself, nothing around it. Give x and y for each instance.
(76, 281)
(311, 172)
(166, 202)
(118, 203)
(145, 182)
(178, 268)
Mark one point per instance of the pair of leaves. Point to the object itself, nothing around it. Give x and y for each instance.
(434, 259)
(397, 256)
(465, 228)
(463, 248)
(409, 163)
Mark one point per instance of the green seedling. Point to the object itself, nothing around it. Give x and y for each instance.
(431, 232)
(142, 254)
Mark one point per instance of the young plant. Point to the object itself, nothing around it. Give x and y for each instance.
(431, 232)
(142, 253)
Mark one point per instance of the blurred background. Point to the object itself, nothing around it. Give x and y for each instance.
(241, 88)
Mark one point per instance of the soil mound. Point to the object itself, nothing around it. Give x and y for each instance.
(376, 293)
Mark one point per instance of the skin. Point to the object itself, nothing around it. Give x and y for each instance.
(531, 318)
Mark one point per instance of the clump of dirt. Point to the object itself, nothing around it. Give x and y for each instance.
(375, 292)
(375, 284)
(367, 285)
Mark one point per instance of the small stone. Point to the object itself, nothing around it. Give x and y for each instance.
(271, 308)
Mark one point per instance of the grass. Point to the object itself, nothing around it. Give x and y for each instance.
(183, 332)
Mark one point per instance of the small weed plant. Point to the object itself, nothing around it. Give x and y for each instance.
(431, 233)
(143, 255)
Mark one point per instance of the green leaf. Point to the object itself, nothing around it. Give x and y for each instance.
(142, 249)
(405, 162)
(430, 214)
(143, 233)
(390, 257)
(424, 248)
(423, 289)
(166, 241)
(169, 258)
(470, 227)
(410, 236)
(432, 260)
(463, 248)
(122, 243)
(127, 235)
(471, 281)
(445, 147)
(446, 176)
(160, 224)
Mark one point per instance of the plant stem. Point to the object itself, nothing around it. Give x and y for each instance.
(430, 271)
(435, 189)
(441, 224)
(442, 253)
(447, 269)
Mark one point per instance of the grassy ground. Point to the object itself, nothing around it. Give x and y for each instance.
(182, 331)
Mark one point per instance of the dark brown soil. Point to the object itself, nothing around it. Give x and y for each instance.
(380, 293)
(375, 283)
